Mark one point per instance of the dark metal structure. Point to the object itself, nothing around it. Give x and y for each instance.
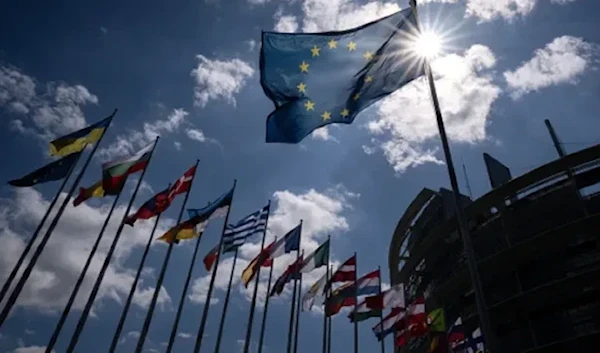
(537, 245)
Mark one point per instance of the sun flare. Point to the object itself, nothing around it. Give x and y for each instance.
(428, 45)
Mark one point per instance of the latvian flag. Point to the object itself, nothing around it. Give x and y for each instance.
(345, 273)
(236, 234)
(386, 326)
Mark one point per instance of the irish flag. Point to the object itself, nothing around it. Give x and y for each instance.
(115, 173)
(317, 259)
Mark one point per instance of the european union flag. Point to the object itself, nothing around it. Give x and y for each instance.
(50, 172)
(323, 78)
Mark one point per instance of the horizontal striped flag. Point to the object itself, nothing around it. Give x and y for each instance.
(235, 235)
(210, 258)
(345, 273)
(114, 173)
(95, 190)
(369, 283)
(363, 312)
(386, 326)
(289, 274)
(391, 298)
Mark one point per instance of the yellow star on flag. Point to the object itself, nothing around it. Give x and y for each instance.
(315, 51)
(356, 96)
(351, 46)
(301, 87)
(304, 67)
(332, 44)
(345, 112)
(368, 55)
(326, 116)
(369, 79)
(309, 105)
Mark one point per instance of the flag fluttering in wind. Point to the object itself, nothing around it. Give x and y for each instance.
(95, 190)
(308, 299)
(76, 141)
(341, 297)
(52, 171)
(369, 283)
(318, 258)
(317, 79)
(115, 173)
(292, 272)
(391, 298)
(417, 318)
(436, 320)
(345, 273)
(182, 184)
(386, 326)
(363, 312)
(210, 258)
(261, 260)
(456, 336)
(235, 235)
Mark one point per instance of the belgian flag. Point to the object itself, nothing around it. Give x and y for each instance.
(50, 172)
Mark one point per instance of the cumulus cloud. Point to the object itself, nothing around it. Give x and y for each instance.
(488, 10)
(196, 135)
(47, 112)
(49, 286)
(216, 79)
(323, 134)
(405, 120)
(322, 215)
(561, 61)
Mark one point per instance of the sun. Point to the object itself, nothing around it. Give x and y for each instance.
(428, 45)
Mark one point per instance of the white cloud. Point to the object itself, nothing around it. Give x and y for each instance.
(177, 145)
(216, 79)
(54, 275)
(196, 135)
(251, 44)
(323, 134)
(406, 120)
(185, 335)
(488, 10)
(285, 23)
(562, 2)
(322, 214)
(561, 61)
(31, 349)
(46, 113)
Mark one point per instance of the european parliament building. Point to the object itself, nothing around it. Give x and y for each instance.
(537, 243)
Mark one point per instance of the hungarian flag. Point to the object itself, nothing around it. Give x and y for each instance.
(388, 324)
(345, 273)
(417, 318)
(116, 172)
(341, 297)
(210, 258)
(318, 258)
(291, 273)
(363, 312)
(95, 190)
(391, 298)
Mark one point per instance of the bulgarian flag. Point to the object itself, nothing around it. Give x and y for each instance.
(116, 172)
(363, 312)
(318, 258)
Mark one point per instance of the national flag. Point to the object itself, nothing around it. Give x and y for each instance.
(153, 207)
(182, 184)
(436, 320)
(391, 298)
(386, 326)
(456, 336)
(50, 172)
(199, 218)
(341, 297)
(476, 342)
(291, 273)
(115, 173)
(235, 235)
(400, 339)
(210, 258)
(363, 312)
(318, 258)
(369, 283)
(345, 273)
(308, 298)
(261, 260)
(318, 79)
(95, 190)
(76, 141)
(417, 318)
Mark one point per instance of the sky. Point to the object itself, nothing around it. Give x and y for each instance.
(187, 70)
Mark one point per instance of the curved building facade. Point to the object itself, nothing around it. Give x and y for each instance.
(537, 244)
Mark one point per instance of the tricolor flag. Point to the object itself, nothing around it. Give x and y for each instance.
(417, 317)
(76, 141)
(318, 258)
(391, 298)
(308, 298)
(456, 336)
(369, 283)
(363, 312)
(386, 326)
(235, 235)
(210, 258)
(262, 260)
(95, 190)
(341, 297)
(115, 173)
(291, 273)
(345, 273)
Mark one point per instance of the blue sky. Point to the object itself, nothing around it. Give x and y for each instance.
(188, 71)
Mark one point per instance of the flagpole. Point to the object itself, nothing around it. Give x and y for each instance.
(212, 281)
(67, 309)
(381, 313)
(225, 304)
(327, 274)
(460, 216)
(355, 304)
(38, 251)
(298, 308)
(329, 318)
(182, 299)
(88, 305)
(163, 271)
(117, 334)
(21, 259)
(255, 293)
(264, 320)
(293, 304)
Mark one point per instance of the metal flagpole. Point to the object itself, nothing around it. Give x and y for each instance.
(355, 303)
(163, 271)
(19, 262)
(264, 319)
(327, 274)
(255, 293)
(296, 329)
(460, 216)
(88, 305)
(182, 299)
(225, 304)
(381, 313)
(67, 309)
(293, 304)
(212, 281)
(117, 334)
(38, 251)
(329, 318)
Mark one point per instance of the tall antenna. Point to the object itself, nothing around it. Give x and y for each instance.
(466, 178)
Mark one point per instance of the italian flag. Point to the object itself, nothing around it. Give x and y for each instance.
(115, 173)
(318, 258)
(363, 312)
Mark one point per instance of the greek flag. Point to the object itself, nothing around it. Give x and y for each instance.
(236, 234)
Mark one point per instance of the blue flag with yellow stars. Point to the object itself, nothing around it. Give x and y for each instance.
(53, 171)
(318, 79)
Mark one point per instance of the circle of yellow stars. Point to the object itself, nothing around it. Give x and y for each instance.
(304, 68)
